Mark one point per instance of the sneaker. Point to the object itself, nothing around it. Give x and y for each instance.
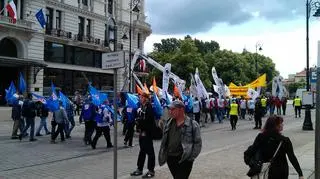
(15, 137)
(20, 137)
(32, 140)
(136, 173)
(93, 146)
(131, 145)
(149, 174)
(38, 134)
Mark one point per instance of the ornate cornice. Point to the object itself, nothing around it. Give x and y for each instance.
(76, 10)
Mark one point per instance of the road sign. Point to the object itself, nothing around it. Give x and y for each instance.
(113, 60)
(313, 77)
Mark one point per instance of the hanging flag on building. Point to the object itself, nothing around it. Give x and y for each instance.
(12, 10)
(41, 18)
(22, 84)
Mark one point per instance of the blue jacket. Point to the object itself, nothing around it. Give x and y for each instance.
(88, 111)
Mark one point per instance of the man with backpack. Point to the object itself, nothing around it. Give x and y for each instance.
(145, 127)
(29, 112)
(88, 115)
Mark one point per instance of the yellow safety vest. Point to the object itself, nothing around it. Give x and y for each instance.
(297, 102)
(263, 102)
(234, 109)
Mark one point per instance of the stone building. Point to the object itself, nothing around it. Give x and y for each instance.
(68, 52)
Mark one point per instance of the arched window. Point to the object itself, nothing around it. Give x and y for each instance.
(8, 48)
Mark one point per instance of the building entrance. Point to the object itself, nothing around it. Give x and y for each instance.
(7, 74)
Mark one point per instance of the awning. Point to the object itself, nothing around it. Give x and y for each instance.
(12, 61)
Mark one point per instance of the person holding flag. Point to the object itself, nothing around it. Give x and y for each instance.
(29, 112)
(103, 119)
(16, 117)
(88, 113)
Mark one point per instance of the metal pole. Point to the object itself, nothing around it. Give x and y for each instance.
(307, 124)
(256, 61)
(115, 144)
(130, 41)
(317, 133)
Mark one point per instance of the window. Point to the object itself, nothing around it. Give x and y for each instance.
(21, 8)
(58, 19)
(110, 6)
(53, 52)
(88, 27)
(139, 41)
(49, 15)
(83, 57)
(85, 2)
(81, 28)
(106, 39)
(97, 59)
(69, 55)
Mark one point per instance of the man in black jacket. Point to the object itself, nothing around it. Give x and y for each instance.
(29, 112)
(145, 126)
(16, 117)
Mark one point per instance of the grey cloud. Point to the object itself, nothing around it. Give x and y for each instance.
(192, 16)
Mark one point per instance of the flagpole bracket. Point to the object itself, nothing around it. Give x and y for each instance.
(36, 70)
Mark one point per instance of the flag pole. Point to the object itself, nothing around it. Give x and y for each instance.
(2, 10)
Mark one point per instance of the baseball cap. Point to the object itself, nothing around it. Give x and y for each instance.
(176, 104)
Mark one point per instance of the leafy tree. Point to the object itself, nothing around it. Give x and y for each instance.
(292, 87)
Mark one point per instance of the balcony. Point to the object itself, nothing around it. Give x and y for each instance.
(19, 24)
(142, 24)
(58, 34)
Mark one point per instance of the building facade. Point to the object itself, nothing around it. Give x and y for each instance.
(68, 52)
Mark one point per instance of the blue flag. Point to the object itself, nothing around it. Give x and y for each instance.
(10, 93)
(157, 108)
(53, 101)
(97, 97)
(40, 98)
(22, 84)
(132, 100)
(64, 100)
(41, 18)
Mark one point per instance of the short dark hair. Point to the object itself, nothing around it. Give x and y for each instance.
(272, 123)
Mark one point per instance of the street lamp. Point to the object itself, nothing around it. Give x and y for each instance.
(133, 8)
(310, 5)
(258, 47)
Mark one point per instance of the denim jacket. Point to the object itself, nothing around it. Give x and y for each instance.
(191, 146)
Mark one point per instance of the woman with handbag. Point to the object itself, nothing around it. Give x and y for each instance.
(273, 147)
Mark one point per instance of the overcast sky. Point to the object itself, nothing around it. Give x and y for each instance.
(236, 24)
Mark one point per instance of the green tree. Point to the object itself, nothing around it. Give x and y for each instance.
(292, 87)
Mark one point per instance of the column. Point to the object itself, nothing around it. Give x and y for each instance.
(85, 28)
(5, 9)
(19, 9)
(54, 16)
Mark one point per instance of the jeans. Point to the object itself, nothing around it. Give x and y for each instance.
(233, 121)
(297, 109)
(212, 114)
(179, 170)
(197, 117)
(43, 124)
(220, 114)
(146, 148)
(284, 107)
(243, 113)
(69, 128)
(258, 121)
(16, 126)
(30, 123)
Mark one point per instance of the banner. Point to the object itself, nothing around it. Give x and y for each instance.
(165, 77)
(259, 82)
(277, 87)
(201, 89)
(193, 87)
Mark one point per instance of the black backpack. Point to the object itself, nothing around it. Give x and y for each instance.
(28, 109)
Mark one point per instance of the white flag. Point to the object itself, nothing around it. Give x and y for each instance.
(201, 89)
(165, 78)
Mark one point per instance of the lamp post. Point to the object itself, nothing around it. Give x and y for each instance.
(310, 5)
(258, 47)
(133, 5)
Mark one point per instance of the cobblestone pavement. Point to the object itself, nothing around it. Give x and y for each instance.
(221, 155)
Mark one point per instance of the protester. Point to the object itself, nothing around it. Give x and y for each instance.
(77, 102)
(70, 123)
(16, 117)
(258, 113)
(181, 142)
(284, 105)
(60, 118)
(43, 114)
(145, 124)
(29, 112)
(278, 105)
(267, 143)
(103, 120)
(196, 109)
(88, 115)
(243, 107)
(251, 106)
(129, 115)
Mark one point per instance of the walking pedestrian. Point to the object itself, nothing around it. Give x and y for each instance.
(43, 114)
(29, 112)
(258, 113)
(16, 117)
(196, 109)
(70, 123)
(266, 143)
(181, 142)
(88, 115)
(251, 106)
(278, 105)
(145, 126)
(60, 118)
(243, 107)
(129, 115)
(103, 120)
(284, 104)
